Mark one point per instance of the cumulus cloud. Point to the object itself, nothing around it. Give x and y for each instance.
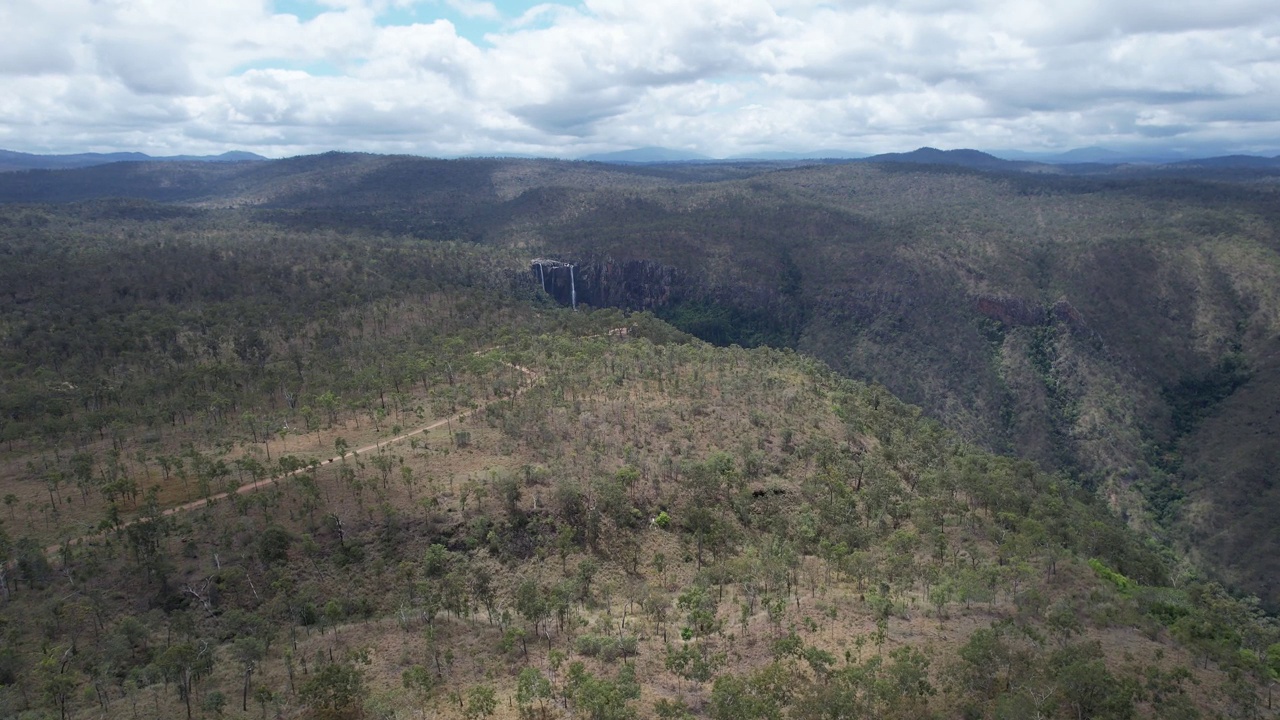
(717, 76)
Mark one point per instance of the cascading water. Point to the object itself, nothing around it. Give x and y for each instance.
(545, 264)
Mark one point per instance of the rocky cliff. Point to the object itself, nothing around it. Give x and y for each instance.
(627, 284)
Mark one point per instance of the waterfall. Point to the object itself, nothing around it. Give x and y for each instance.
(542, 278)
(573, 290)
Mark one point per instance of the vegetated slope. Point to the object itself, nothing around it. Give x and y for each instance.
(1091, 327)
(1092, 324)
(343, 180)
(126, 314)
(1229, 465)
(631, 524)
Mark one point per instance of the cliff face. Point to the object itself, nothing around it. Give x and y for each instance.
(1016, 312)
(1011, 312)
(743, 315)
(627, 284)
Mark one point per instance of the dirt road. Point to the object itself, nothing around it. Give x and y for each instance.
(250, 487)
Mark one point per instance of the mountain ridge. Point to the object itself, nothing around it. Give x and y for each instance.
(1078, 161)
(11, 160)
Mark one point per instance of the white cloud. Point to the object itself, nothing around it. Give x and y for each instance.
(718, 76)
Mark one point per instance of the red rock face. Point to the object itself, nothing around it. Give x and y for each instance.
(1011, 311)
(1016, 312)
(1064, 313)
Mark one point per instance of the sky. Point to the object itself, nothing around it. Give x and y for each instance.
(716, 77)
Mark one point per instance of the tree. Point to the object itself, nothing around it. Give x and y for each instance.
(700, 608)
(185, 664)
(480, 582)
(602, 698)
(263, 695)
(6, 550)
(384, 463)
(273, 544)
(436, 561)
(1086, 685)
(904, 686)
(56, 683)
(482, 701)
(215, 702)
(693, 663)
(531, 603)
(980, 662)
(418, 679)
(406, 476)
(334, 692)
(708, 528)
(671, 709)
(873, 689)
(146, 536)
(530, 686)
(734, 697)
(586, 574)
(248, 651)
(1273, 669)
(329, 403)
(1167, 695)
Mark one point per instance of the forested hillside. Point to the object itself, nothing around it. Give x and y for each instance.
(1098, 329)
(1122, 328)
(256, 461)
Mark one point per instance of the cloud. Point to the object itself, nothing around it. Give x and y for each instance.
(147, 63)
(25, 31)
(716, 76)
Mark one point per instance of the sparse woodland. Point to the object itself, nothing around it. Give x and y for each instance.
(603, 518)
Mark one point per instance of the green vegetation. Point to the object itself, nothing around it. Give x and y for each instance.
(1109, 328)
(1193, 399)
(264, 469)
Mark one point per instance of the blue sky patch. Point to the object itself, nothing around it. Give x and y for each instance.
(470, 26)
(304, 10)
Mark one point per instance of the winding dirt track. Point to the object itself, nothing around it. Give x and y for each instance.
(250, 487)
(247, 488)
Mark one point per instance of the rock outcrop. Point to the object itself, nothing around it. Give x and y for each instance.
(1016, 312)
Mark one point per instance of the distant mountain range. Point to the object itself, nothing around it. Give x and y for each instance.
(1084, 161)
(933, 156)
(1000, 160)
(670, 155)
(10, 160)
(1081, 161)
